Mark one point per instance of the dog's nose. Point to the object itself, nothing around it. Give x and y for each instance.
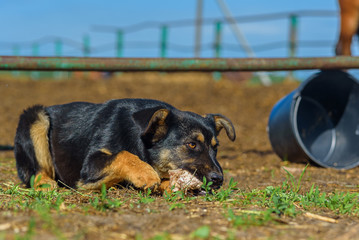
(216, 178)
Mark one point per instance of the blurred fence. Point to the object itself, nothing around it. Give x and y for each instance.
(85, 48)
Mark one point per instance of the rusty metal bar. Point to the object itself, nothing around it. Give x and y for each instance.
(174, 64)
(6, 148)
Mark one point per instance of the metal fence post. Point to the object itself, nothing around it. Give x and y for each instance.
(35, 53)
(119, 49)
(217, 47)
(119, 46)
(86, 46)
(164, 41)
(293, 30)
(217, 40)
(58, 48)
(15, 52)
(86, 51)
(35, 49)
(198, 29)
(58, 53)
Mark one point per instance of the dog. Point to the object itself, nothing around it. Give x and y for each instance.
(85, 145)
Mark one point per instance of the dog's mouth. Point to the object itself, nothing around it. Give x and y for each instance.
(198, 192)
(215, 187)
(208, 182)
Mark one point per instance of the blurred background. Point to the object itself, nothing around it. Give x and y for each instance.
(173, 29)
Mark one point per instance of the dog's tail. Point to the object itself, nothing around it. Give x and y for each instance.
(31, 148)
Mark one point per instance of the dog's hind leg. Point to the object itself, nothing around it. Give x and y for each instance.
(32, 151)
(124, 166)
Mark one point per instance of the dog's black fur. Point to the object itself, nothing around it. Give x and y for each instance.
(135, 140)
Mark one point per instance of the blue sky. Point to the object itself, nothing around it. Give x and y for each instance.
(25, 22)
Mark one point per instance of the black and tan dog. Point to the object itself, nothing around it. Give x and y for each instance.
(134, 140)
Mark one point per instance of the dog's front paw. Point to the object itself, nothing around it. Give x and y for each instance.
(44, 183)
(145, 178)
(165, 186)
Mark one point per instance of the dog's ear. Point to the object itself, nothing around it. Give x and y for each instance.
(154, 124)
(221, 122)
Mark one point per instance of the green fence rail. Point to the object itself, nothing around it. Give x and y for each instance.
(10, 63)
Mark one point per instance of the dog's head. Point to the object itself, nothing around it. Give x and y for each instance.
(185, 140)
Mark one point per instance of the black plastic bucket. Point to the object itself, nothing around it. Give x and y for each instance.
(319, 121)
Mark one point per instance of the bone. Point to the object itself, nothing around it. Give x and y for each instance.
(183, 180)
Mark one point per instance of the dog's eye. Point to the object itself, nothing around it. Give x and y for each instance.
(192, 145)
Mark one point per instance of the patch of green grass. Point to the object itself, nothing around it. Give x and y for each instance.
(206, 186)
(44, 221)
(202, 232)
(145, 197)
(162, 236)
(221, 195)
(239, 208)
(247, 218)
(30, 231)
(177, 206)
(280, 201)
(295, 184)
(24, 199)
(173, 196)
(226, 193)
(103, 202)
(338, 202)
(286, 198)
(177, 199)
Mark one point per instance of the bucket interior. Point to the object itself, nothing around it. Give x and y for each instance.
(315, 128)
(326, 121)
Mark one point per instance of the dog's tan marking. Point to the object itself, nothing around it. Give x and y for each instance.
(213, 142)
(190, 160)
(106, 151)
(171, 166)
(164, 163)
(39, 137)
(126, 167)
(200, 137)
(165, 155)
(194, 168)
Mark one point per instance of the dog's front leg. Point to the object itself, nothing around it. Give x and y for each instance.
(124, 166)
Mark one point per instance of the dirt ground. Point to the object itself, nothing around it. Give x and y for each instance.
(249, 160)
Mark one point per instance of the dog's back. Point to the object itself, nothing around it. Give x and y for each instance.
(76, 128)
